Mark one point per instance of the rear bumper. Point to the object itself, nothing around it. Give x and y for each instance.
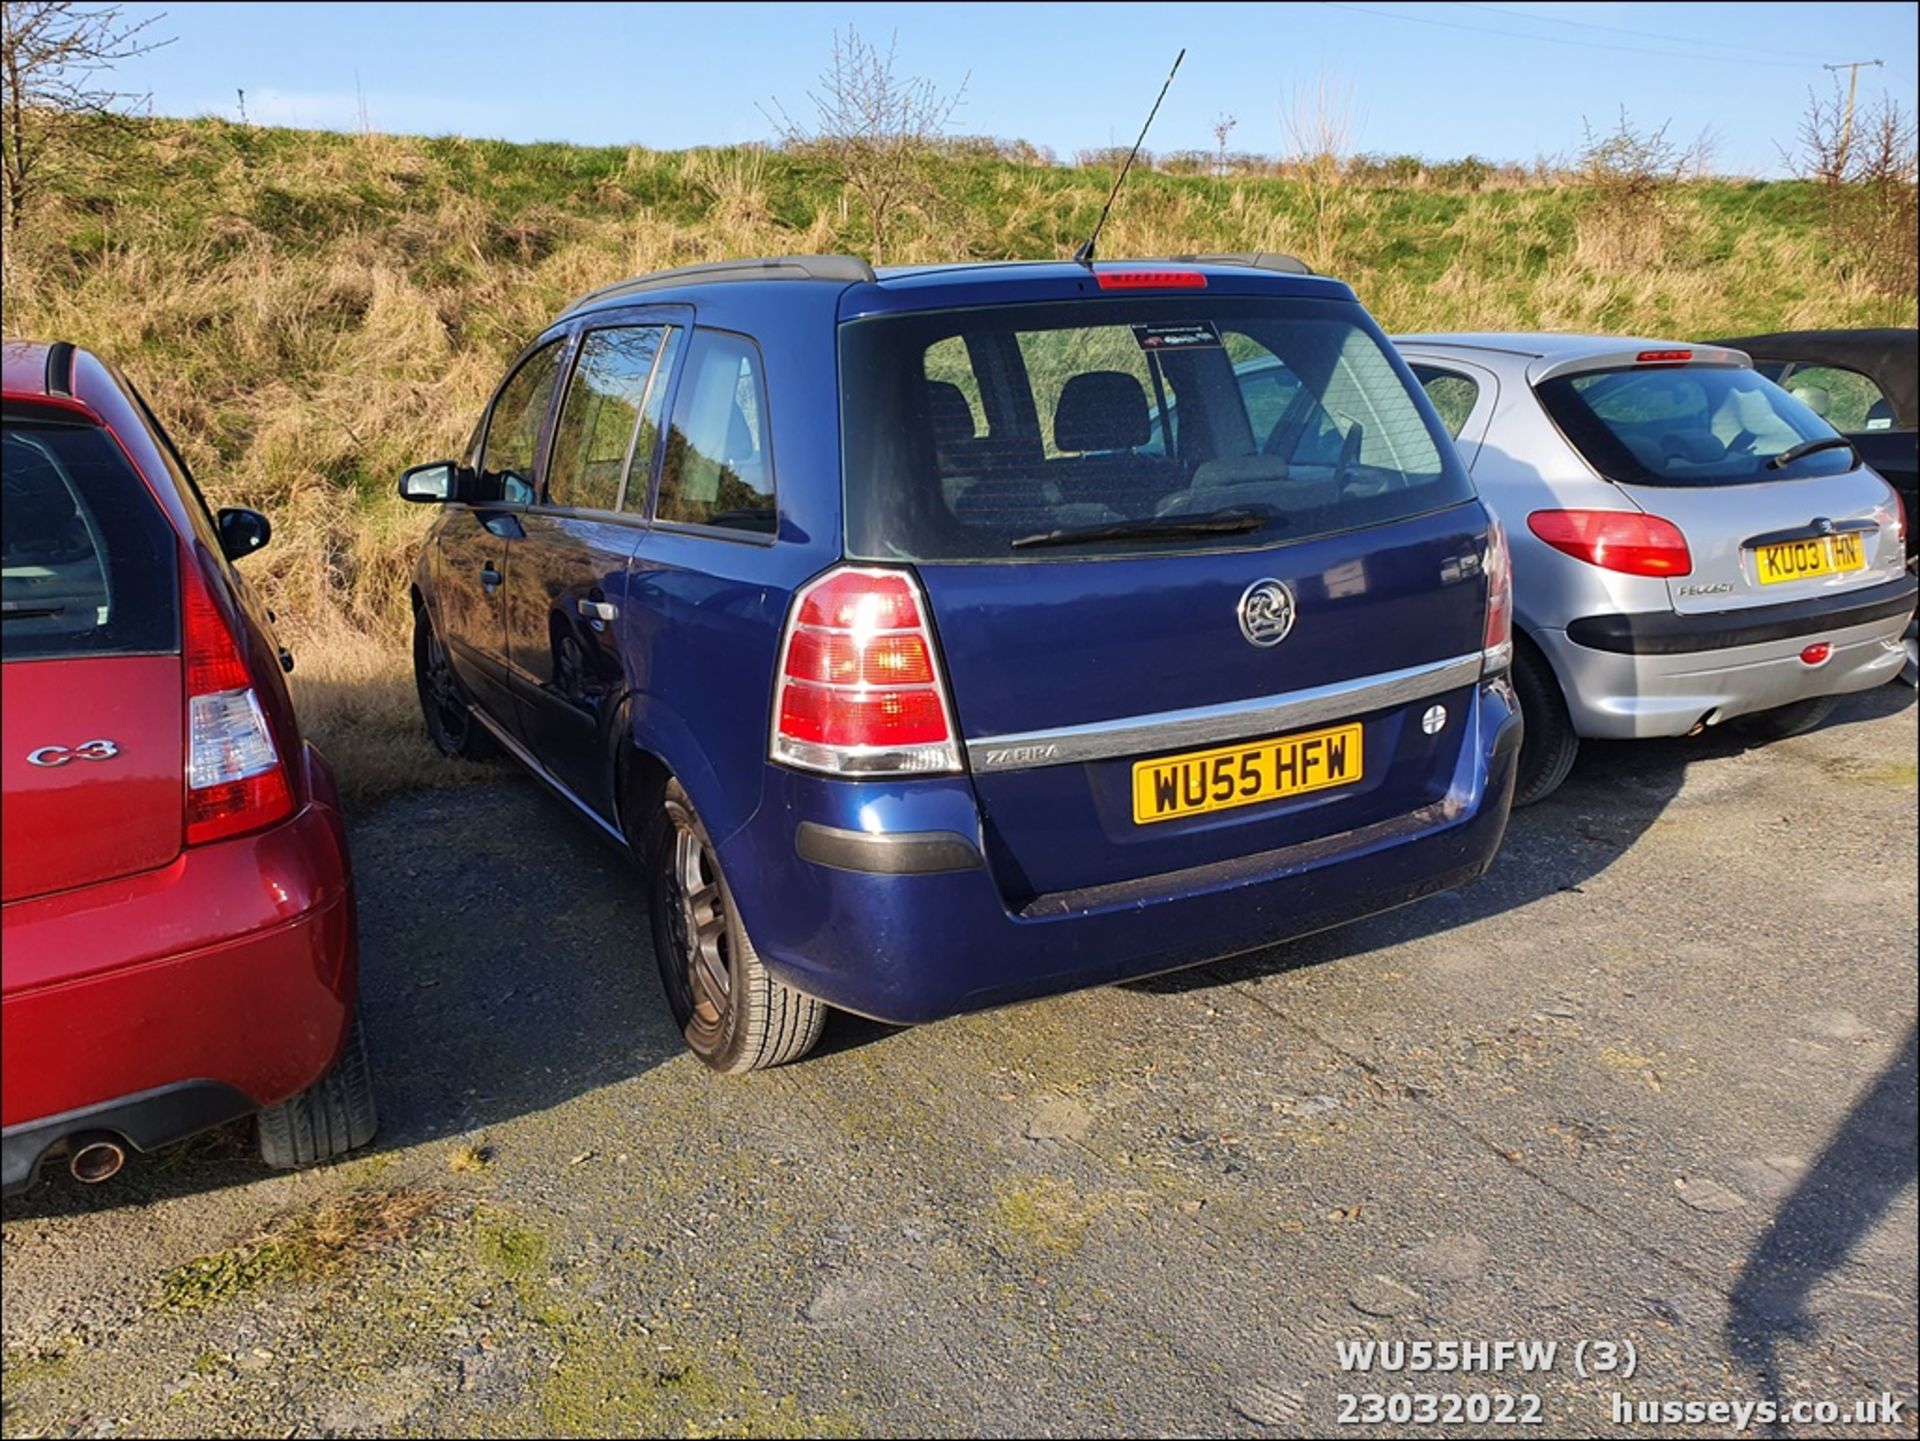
(914, 947)
(230, 972)
(1642, 676)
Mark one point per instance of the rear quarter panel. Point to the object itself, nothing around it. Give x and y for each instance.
(1524, 464)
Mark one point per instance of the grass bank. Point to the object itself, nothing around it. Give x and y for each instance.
(310, 312)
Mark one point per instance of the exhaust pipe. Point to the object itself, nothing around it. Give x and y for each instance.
(96, 1157)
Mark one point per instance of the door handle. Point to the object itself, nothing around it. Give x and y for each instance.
(598, 610)
(489, 578)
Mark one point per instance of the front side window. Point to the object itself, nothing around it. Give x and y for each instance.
(1688, 425)
(88, 564)
(718, 469)
(510, 449)
(1272, 419)
(594, 440)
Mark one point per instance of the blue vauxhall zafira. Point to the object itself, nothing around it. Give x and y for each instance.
(938, 638)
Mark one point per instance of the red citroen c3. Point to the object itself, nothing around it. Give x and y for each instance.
(177, 941)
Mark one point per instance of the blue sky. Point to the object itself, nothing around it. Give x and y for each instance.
(1506, 81)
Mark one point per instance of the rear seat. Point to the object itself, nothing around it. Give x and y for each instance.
(1101, 416)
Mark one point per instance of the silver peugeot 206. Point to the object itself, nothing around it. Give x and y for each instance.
(1691, 544)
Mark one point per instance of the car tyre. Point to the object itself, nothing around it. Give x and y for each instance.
(444, 703)
(1786, 720)
(734, 1014)
(331, 1117)
(1549, 745)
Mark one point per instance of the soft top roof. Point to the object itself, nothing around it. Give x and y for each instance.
(1889, 355)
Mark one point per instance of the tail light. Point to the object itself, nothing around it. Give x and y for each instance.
(1619, 540)
(859, 690)
(1899, 516)
(236, 781)
(1497, 645)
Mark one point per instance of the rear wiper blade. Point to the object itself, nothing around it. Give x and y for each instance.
(25, 610)
(1809, 447)
(1166, 527)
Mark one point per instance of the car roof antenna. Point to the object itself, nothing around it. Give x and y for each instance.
(1084, 255)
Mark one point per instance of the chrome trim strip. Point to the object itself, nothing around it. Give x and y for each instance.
(1206, 725)
(543, 775)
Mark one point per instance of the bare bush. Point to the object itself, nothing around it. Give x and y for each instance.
(1319, 124)
(1866, 168)
(1223, 125)
(1628, 173)
(54, 60)
(1112, 157)
(876, 128)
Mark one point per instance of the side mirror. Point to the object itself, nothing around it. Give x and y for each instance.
(242, 531)
(431, 484)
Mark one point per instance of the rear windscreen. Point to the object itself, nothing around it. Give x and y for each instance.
(1694, 425)
(87, 561)
(969, 432)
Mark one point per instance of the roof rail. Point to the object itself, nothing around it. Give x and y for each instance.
(847, 269)
(1256, 259)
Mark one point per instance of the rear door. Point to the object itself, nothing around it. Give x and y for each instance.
(567, 583)
(89, 579)
(474, 543)
(1699, 446)
(1115, 693)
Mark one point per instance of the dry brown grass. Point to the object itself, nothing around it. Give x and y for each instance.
(312, 313)
(313, 1244)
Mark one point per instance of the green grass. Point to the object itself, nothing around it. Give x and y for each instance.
(311, 312)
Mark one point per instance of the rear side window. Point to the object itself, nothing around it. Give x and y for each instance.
(1691, 425)
(967, 431)
(594, 441)
(719, 464)
(88, 563)
(513, 429)
(1847, 400)
(1453, 395)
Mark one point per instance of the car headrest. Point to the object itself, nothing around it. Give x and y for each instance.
(1816, 398)
(1101, 410)
(951, 416)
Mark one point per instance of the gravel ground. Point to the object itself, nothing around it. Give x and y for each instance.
(1653, 1081)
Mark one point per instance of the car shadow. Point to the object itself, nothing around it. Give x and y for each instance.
(1871, 1159)
(506, 966)
(1617, 789)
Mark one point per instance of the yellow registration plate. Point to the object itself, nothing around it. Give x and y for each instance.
(1804, 559)
(1245, 775)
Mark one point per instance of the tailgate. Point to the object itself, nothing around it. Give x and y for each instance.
(1066, 677)
(94, 766)
(93, 772)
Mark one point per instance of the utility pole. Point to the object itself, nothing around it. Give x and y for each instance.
(1853, 69)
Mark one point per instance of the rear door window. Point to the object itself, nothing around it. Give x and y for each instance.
(718, 469)
(88, 563)
(596, 438)
(1083, 414)
(510, 449)
(1691, 425)
(1847, 400)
